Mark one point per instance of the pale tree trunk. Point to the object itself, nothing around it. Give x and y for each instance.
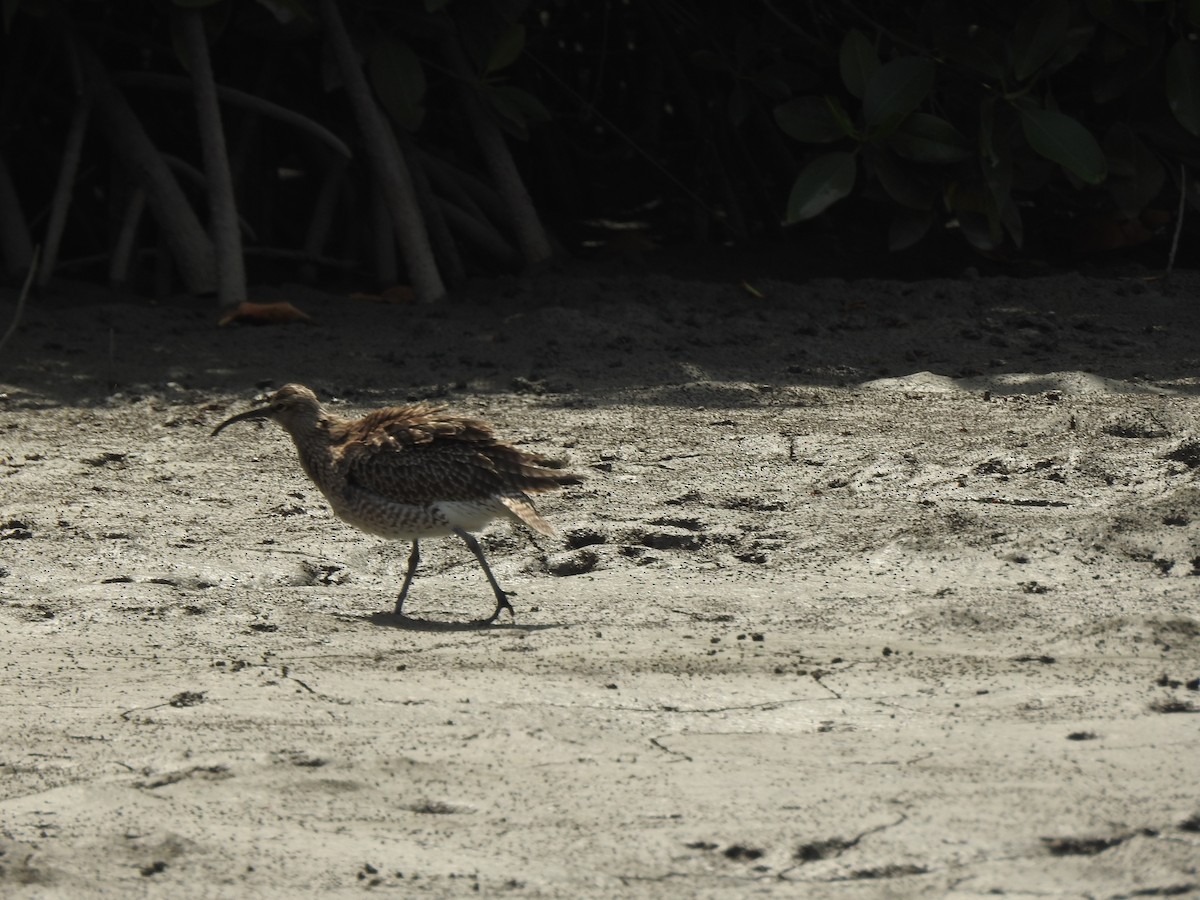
(387, 163)
(531, 236)
(222, 207)
(480, 234)
(467, 191)
(63, 190)
(16, 246)
(320, 221)
(383, 242)
(439, 230)
(125, 247)
(182, 233)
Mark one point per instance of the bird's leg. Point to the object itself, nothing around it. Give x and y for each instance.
(414, 557)
(501, 595)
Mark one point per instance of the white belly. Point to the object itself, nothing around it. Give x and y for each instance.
(397, 521)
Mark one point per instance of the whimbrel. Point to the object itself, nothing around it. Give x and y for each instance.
(412, 472)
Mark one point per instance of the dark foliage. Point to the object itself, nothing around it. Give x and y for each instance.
(1053, 127)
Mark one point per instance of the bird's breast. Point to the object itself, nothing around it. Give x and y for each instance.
(405, 521)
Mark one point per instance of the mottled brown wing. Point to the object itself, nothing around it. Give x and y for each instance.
(425, 474)
(419, 455)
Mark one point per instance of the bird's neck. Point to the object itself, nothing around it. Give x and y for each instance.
(313, 440)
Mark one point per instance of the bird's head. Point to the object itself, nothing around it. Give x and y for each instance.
(293, 406)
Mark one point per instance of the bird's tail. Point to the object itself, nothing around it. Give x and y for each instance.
(540, 473)
(536, 481)
(521, 508)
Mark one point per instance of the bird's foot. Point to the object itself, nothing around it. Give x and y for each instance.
(501, 605)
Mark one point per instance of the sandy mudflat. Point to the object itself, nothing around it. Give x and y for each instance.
(874, 589)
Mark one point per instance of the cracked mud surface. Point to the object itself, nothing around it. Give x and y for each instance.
(874, 589)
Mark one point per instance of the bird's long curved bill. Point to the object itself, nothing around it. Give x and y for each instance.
(260, 413)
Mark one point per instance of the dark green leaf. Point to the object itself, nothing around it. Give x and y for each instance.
(1010, 217)
(1120, 146)
(1135, 174)
(981, 231)
(895, 90)
(774, 88)
(987, 130)
(215, 17)
(930, 139)
(1118, 78)
(904, 183)
(1121, 18)
(858, 61)
(796, 75)
(506, 49)
(518, 108)
(478, 38)
(1183, 85)
(842, 118)
(287, 11)
(980, 50)
(998, 175)
(740, 104)
(909, 226)
(1038, 35)
(398, 79)
(1079, 38)
(824, 181)
(747, 47)
(709, 59)
(1062, 139)
(808, 119)
(998, 128)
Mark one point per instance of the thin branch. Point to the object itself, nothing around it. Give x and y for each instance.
(244, 100)
(896, 39)
(480, 233)
(804, 36)
(194, 176)
(182, 232)
(383, 241)
(118, 269)
(1183, 189)
(321, 219)
(222, 207)
(16, 246)
(523, 217)
(288, 253)
(439, 231)
(469, 192)
(387, 162)
(68, 170)
(303, 256)
(33, 264)
(623, 135)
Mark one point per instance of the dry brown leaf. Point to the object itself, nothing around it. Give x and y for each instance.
(1113, 231)
(281, 313)
(399, 293)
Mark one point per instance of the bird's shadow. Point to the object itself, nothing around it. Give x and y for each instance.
(385, 619)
